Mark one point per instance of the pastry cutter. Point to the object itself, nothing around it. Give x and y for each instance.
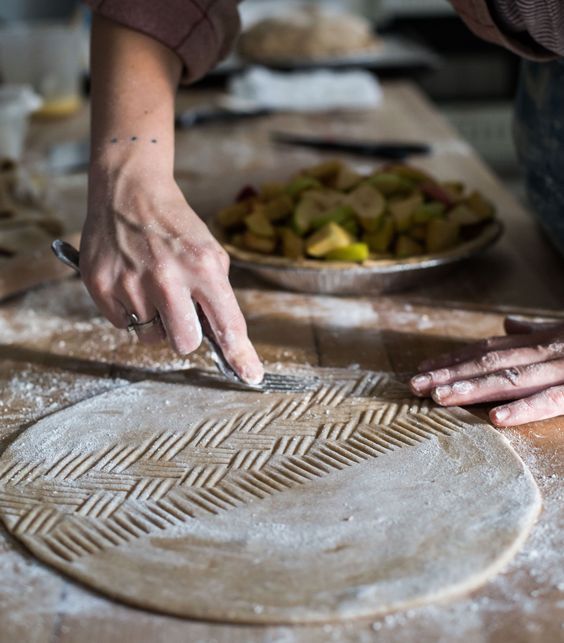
(69, 255)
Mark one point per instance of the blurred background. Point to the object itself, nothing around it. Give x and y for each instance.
(43, 43)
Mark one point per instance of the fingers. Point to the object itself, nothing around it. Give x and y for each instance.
(516, 325)
(540, 406)
(221, 309)
(135, 301)
(101, 289)
(485, 363)
(178, 317)
(476, 350)
(152, 333)
(506, 384)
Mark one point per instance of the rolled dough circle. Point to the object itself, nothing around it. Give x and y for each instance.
(346, 501)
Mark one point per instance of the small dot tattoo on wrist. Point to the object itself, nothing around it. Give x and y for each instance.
(115, 139)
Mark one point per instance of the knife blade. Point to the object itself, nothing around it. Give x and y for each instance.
(385, 150)
(209, 115)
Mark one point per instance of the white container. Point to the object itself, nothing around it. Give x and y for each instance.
(17, 102)
(47, 56)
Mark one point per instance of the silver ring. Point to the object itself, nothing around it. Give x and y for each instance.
(136, 324)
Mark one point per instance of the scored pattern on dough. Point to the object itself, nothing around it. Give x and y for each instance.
(83, 503)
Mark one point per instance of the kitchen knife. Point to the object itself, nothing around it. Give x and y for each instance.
(385, 150)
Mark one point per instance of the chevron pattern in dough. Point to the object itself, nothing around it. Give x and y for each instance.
(85, 502)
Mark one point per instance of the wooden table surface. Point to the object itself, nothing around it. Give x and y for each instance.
(55, 351)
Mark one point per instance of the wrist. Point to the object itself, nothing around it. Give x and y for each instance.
(131, 154)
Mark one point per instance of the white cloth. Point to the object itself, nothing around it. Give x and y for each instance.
(307, 91)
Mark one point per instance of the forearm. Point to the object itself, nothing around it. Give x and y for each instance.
(143, 249)
(134, 80)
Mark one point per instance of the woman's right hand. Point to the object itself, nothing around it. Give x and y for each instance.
(145, 251)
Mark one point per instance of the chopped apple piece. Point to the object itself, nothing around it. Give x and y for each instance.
(313, 205)
(347, 179)
(381, 240)
(292, 244)
(233, 215)
(402, 210)
(390, 184)
(304, 214)
(259, 225)
(427, 211)
(369, 205)
(409, 172)
(441, 235)
(278, 208)
(301, 184)
(264, 245)
(462, 215)
(306, 211)
(480, 205)
(354, 252)
(329, 237)
(325, 171)
(407, 247)
(340, 215)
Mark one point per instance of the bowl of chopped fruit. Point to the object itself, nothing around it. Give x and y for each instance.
(332, 230)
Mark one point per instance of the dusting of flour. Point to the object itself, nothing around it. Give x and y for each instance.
(32, 593)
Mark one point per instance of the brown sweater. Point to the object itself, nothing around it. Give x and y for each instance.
(202, 32)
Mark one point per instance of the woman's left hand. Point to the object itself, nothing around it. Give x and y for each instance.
(524, 367)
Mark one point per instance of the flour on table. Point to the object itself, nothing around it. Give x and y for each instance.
(350, 500)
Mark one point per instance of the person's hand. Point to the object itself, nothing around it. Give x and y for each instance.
(525, 366)
(145, 251)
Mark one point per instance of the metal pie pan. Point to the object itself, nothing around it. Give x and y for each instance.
(339, 278)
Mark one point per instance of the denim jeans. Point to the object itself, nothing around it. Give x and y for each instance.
(539, 137)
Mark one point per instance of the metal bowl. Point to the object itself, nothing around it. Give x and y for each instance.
(374, 277)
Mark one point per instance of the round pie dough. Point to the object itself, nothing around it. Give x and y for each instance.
(308, 34)
(348, 500)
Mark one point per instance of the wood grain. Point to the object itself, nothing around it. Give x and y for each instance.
(34, 269)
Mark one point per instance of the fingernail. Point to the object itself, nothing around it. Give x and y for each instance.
(253, 376)
(421, 382)
(442, 391)
(463, 387)
(501, 414)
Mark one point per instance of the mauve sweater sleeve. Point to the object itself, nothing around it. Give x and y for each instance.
(201, 32)
(543, 20)
(489, 19)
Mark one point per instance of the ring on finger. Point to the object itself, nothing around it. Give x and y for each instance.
(135, 324)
